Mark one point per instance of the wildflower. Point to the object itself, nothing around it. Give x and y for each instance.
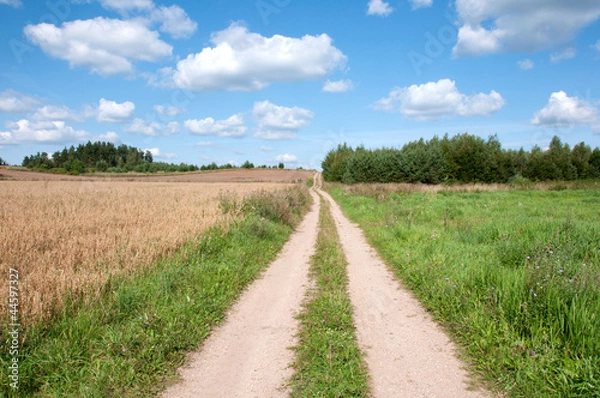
(531, 353)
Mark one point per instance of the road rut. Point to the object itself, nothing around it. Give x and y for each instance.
(407, 354)
(249, 356)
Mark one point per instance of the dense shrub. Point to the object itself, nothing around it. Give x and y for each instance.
(463, 158)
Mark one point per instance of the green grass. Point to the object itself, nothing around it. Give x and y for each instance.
(132, 339)
(328, 360)
(514, 275)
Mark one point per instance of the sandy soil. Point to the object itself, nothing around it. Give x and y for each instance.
(407, 354)
(249, 356)
(233, 175)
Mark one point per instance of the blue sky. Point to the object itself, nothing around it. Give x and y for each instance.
(287, 80)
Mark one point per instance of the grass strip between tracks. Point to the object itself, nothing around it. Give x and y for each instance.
(328, 362)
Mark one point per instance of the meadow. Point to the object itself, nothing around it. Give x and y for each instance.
(514, 275)
(74, 235)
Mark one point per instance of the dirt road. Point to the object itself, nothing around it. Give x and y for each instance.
(249, 355)
(407, 354)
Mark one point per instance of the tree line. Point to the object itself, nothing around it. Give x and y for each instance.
(100, 156)
(107, 157)
(463, 158)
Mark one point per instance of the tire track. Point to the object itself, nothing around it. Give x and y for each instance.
(248, 355)
(408, 355)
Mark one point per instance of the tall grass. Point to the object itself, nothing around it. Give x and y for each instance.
(328, 360)
(515, 275)
(130, 340)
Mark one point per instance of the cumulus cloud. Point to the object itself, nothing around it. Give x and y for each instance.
(112, 112)
(488, 27)
(565, 111)
(14, 102)
(12, 3)
(420, 3)
(140, 126)
(525, 64)
(286, 158)
(567, 53)
(51, 112)
(435, 100)
(157, 153)
(243, 61)
(105, 46)
(379, 7)
(167, 110)
(338, 86)
(172, 128)
(174, 21)
(231, 127)
(109, 136)
(279, 122)
(125, 6)
(25, 130)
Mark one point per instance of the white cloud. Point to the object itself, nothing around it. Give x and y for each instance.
(379, 7)
(110, 136)
(420, 3)
(12, 3)
(140, 126)
(286, 158)
(435, 100)
(279, 122)
(51, 112)
(567, 53)
(266, 148)
(112, 112)
(338, 86)
(597, 46)
(174, 21)
(41, 131)
(245, 61)
(526, 64)
(231, 127)
(204, 143)
(156, 153)
(172, 128)
(125, 6)
(14, 102)
(167, 110)
(105, 46)
(488, 27)
(565, 111)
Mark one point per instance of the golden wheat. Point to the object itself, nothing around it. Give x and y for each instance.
(73, 235)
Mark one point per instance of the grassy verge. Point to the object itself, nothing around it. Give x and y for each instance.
(131, 341)
(328, 360)
(515, 275)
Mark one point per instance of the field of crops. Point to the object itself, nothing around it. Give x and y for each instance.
(74, 235)
(513, 274)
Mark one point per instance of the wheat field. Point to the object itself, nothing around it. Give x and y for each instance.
(73, 235)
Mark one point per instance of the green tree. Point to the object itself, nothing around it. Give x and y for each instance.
(334, 164)
(247, 165)
(281, 165)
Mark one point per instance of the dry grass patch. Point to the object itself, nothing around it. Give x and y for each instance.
(73, 235)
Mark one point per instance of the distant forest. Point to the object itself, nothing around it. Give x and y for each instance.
(463, 158)
(106, 157)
